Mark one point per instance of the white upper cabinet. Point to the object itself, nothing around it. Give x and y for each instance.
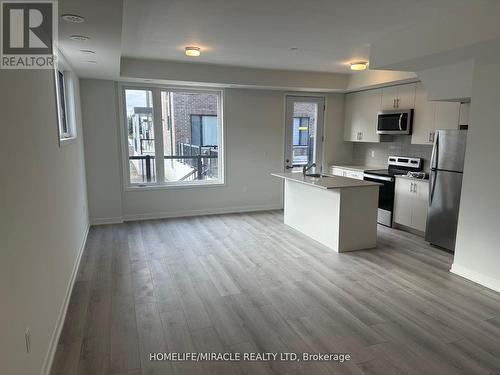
(447, 115)
(351, 103)
(361, 111)
(423, 118)
(398, 97)
(431, 116)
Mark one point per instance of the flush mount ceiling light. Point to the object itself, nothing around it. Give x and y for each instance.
(87, 52)
(80, 38)
(91, 62)
(75, 18)
(359, 65)
(192, 51)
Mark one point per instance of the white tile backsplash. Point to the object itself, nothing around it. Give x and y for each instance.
(377, 153)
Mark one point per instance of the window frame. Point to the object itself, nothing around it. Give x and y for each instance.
(157, 117)
(67, 102)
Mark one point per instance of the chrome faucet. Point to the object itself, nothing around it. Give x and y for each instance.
(306, 167)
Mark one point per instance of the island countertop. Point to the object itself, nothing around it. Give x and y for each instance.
(333, 182)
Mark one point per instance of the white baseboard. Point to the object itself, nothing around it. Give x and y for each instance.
(213, 211)
(49, 358)
(476, 277)
(106, 220)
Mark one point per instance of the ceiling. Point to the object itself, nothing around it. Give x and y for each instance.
(261, 33)
(327, 34)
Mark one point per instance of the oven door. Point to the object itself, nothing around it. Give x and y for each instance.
(385, 197)
(394, 122)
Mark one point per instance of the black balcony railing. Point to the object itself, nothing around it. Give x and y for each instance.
(203, 166)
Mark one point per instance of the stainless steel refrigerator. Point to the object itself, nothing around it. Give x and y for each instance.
(445, 186)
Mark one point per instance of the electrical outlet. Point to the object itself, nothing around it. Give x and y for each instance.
(27, 339)
(372, 153)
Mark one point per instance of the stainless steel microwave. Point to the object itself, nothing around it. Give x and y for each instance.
(395, 122)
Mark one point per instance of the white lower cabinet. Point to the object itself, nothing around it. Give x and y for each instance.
(410, 203)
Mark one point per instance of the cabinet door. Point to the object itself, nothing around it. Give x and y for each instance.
(423, 118)
(367, 114)
(403, 202)
(406, 96)
(464, 114)
(389, 96)
(350, 132)
(420, 205)
(447, 115)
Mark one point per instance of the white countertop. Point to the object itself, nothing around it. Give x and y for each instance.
(360, 168)
(333, 182)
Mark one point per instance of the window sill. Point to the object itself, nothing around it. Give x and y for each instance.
(137, 187)
(67, 141)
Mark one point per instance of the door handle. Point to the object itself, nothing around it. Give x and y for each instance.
(289, 166)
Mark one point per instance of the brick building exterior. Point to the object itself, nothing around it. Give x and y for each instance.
(184, 105)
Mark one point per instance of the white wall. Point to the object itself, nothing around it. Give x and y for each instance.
(44, 218)
(477, 254)
(211, 74)
(254, 123)
(369, 79)
(449, 82)
(336, 151)
(102, 158)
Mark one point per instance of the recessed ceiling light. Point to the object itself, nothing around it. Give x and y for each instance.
(192, 51)
(91, 62)
(359, 65)
(87, 52)
(75, 18)
(80, 38)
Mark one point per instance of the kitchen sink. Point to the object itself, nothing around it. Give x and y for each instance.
(316, 175)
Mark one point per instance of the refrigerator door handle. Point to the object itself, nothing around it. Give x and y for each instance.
(432, 185)
(435, 152)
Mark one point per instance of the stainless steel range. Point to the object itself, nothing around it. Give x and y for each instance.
(397, 165)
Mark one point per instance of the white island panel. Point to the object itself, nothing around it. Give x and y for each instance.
(340, 213)
(314, 212)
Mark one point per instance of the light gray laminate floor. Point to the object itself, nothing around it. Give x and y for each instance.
(248, 283)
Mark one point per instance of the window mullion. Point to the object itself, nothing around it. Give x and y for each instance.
(157, 122)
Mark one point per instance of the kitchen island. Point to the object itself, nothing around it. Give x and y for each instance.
(339, 212)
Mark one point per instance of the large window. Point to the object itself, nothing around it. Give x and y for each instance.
(173, 137)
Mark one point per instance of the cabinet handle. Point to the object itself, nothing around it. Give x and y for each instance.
(360, 136)
(415, 187)
(411, 187)
(394, 103)
(397, 103)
